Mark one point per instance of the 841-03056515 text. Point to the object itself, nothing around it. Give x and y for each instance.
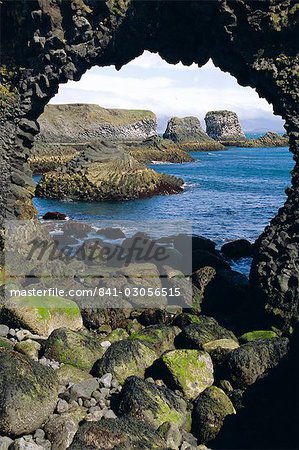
(99, 291)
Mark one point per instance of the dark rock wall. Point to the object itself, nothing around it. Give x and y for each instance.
(48, 42)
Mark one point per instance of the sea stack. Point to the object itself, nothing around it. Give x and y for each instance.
(224, 126)
(189, 135)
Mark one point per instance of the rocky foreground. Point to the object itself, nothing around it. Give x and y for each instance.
(131, 378)
(103, 173)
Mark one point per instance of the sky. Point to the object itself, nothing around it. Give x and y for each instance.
(148, 82)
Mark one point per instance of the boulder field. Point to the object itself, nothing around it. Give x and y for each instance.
(120, 378)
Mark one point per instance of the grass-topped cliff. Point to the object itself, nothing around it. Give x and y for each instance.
(82, 122)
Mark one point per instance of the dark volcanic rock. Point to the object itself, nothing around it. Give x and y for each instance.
(224, 126)
(226, 293)
(210, 410)
(240, 248)
(159, 337)
(188, 134)
(205, 330)
(153, 404)
(121, 434)
(250, 361)
(54, 216)
(124, 359)
(28, 393)
(203, 258)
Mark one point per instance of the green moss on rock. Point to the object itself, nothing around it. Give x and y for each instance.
(42, 315)
(77, 349)
(258, 334)
(156, 405)
(28, 393)
(159, 337)
(210, 410)
(124, 359)
(191, 371)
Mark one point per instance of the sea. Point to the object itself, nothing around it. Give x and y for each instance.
(228, 194)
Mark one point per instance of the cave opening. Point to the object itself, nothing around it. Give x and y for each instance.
(230, 192)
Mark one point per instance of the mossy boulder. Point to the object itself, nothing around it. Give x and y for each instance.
(70, 374)
(147, 401)
(124, 359)
(28, 393)
(42, 315)
(122, 434)
(77, 349)
(5, 343)
(209, 412)
(252, 360)
(256, 335)
(190, 371)
(159, 337)
(205, 330)
(28, 347)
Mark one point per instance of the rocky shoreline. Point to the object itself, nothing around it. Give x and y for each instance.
(129, 377)
(96, 176)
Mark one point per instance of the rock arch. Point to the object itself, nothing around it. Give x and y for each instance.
(48, 42)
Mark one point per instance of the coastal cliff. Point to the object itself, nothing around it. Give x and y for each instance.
(84, 122)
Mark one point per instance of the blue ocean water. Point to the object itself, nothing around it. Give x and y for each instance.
(228, 195)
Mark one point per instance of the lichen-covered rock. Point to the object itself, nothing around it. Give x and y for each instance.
(121, 434)
(77, 349)
(42, 315)
(124, 359)
(86, 122)
(190, 371)
(250, 361)
(257, 335)
(224, 344)
(206, 329)
(28, 393)
(188, 133)
(156, 405)
(95, 176)
(241, 248)
(159, 337)
(209, 412)
(224, 126)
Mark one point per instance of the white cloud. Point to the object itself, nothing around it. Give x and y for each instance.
(148, 82)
